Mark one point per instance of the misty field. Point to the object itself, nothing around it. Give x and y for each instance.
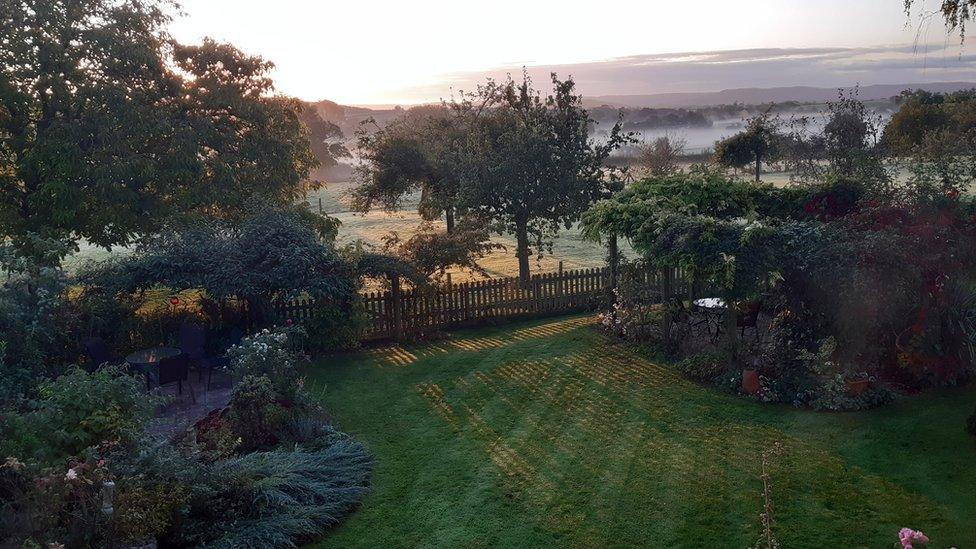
(569, 247)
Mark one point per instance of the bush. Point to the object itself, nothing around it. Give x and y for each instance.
(38, 326)
(705, 366)
(75, 412)
(272, 353)
(971, 424)
(335, 327)
(281, 498)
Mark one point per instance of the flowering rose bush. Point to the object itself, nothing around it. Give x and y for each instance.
(273, 353)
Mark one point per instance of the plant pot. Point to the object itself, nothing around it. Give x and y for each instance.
(750, 381)
(856, 387)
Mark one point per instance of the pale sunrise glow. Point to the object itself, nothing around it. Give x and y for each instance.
(409, 52)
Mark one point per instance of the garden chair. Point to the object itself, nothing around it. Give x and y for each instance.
(193, 343)
(98, 353)
(232, 336)
(747, 316)
(173, 370)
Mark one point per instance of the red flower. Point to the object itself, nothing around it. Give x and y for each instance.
(289, 322)
(174, 300)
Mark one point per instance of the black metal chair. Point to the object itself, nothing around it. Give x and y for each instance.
(173, 370)
(98, 353)
(747, 316)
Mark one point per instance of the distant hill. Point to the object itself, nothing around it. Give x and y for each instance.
(766, 95)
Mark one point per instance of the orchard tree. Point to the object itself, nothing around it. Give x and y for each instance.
(529, 165)
(108, 127)
(416, 152)
(756, 144)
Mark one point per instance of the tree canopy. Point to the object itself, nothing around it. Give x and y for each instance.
(416, 152)
(529, 165)
(754, 145)
(108, 127)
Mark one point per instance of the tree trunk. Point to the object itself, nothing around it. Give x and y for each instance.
(522, 251)
(614, 259)
(449, 218)
(758, 167)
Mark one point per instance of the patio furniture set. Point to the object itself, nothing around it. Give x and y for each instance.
(166, 365)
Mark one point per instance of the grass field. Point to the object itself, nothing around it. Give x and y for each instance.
(548, 434)
(569, 247)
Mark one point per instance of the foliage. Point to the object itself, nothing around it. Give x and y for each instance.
(37, 322)
(273, 353)
(528, 164)
(419, 151)
(971, 424)
(335, 326)
(281, 498)
(662, 156)
(272, 255)
(325, 137)
(754, 145)
(75, 412)
(110, 127)
(847, 145)
(955, 13)
(434, 252)
(705, 366)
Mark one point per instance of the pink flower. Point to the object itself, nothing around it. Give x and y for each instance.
(908, 537)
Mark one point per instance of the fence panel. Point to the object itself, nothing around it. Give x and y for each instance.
(390, 314)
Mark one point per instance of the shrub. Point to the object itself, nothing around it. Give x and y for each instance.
(281, 498)
(335, 327)
(705, 366)
(255, 413)
(971, 424)
(77, 411)
(270, 353)
(37, 325)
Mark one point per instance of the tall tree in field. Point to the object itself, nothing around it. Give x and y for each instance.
(529, 164)
(755, 145)
(416, 152)
(108, 127)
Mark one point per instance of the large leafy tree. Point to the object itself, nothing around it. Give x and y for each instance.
(754, 145)
(108, 127)
(416, 152)
(529, 164)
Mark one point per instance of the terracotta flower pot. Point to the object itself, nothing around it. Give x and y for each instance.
(750, 381)
(856, 387)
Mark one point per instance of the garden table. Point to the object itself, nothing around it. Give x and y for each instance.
(713, 308)
(147, 362)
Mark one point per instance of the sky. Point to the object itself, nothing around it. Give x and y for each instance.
(405, 52)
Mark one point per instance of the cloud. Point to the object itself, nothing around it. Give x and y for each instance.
(743, 68)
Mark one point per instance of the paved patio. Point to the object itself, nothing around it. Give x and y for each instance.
(182, 410)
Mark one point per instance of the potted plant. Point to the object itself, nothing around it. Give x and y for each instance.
(857, 383)
(750, 377)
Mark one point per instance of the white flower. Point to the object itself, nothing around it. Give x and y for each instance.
(71, 474)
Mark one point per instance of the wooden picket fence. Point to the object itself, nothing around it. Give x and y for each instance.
(396, 313)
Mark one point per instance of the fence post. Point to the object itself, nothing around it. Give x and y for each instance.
(397, 311)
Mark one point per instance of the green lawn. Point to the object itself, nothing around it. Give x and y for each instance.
(547, 433)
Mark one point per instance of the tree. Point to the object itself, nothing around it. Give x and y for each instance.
(757, 143)
(528, 163)
(271, 255)
(662, 156)
(434, 252)
(324, 136)
(108, 127)
(416, 152)
(955, 13)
